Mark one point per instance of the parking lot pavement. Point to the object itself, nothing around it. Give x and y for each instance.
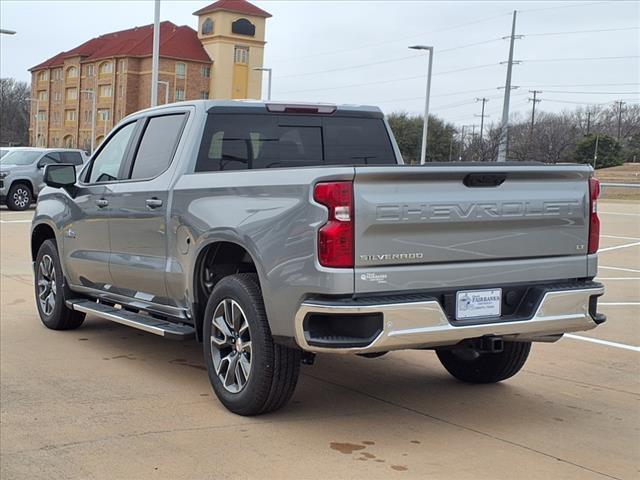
(105, 401)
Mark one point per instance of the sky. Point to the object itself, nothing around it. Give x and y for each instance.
(575, 53)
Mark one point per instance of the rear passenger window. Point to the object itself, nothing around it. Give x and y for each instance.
(247, 141)
(71, 157)
(158, 145)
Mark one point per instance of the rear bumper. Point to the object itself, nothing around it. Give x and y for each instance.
(424, 323)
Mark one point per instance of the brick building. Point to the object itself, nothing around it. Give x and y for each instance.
(217, 61)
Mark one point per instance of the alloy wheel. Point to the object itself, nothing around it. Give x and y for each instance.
(21, 197)
(47, 285)
(231, 345)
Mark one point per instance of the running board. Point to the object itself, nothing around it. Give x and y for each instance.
(173, 331)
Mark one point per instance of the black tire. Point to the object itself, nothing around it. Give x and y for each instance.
(19, 197)
(472, 366)
(274, 368)
(60, 317)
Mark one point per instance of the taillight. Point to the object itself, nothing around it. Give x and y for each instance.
(335, 238)
(594, 221)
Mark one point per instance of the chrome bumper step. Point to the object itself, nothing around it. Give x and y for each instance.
(173, 331)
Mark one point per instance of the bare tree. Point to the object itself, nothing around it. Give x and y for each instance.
(14, 112)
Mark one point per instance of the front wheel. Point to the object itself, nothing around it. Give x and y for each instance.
(19, 197)
(249, 373)
(474, 366)
(50, 291)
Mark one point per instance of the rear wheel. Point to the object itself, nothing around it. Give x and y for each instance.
(50, 291)
(19, 197)
(474, 366)
(249, 373)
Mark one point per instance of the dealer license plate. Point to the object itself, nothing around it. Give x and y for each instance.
(478, 303)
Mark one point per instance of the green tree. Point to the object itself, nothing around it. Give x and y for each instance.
(609, 150)
(407, 129)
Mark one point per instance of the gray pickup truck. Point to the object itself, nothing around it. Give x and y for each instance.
(271, 232)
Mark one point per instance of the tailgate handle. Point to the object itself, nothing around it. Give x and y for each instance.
(484, 179)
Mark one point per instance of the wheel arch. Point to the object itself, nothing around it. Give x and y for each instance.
(221, 258)
(40, 234)
(26, 181)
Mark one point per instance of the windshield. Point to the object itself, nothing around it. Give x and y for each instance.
(3, 152)
(20, 158)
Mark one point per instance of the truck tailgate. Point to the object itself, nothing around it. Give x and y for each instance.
(437, 214)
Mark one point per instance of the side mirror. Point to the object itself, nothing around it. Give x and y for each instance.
(60, 175)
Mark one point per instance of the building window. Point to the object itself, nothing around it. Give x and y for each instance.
(42, 116)
(105, 90)
(71, 94)
(72, 72)
(105, 68)
(57, 96)
(87, 116)
(68, 141)
(122, 65)
(57, 74)
(70, 116)
(42, 95)
(43, 76)
(56, 117)
(207, 27)
(241, 55)
(242, 26)
(204, 95)
(179, 94)
(181, 69)
(103, 114)
(90, 70)
(206, 71)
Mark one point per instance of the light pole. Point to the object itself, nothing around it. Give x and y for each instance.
(155, 56)
(36, 118)
(268, 70)
(423, 153)
(166, 90)
(7, 32)
(93, 117)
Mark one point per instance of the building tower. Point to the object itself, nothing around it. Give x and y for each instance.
(232, 32)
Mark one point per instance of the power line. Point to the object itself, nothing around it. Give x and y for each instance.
(571, 32)
(583, 85)
(530, 10)
(339, 69)
(593, 93)
(580, 58)
(401, 39)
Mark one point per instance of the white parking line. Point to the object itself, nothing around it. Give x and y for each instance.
(602, 342)
(619, 304)
(620, 213)
(619, 237)
(627, 245)
(619, 268)
(15, 221)
(618, 278)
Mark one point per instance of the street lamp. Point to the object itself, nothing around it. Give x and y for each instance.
(36, 117)
(93, 117)
(166, 90)
(7, 32)
(268, 70)
(423, 153)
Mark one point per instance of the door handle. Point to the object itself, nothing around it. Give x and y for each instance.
(102, 202)
(153, 203)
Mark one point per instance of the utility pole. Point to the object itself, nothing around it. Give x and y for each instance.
(588, 121)
(482, 115)
(620, 104)
(533, 108)
(504, 129)
(423, 152)
(155, 58)
(451, 145)
(461, 144)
